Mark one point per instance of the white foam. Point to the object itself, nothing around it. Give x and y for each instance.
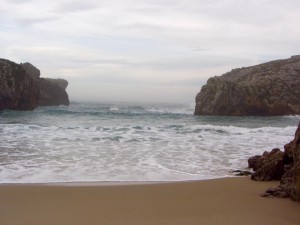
(179, 110)
(114, 108)
(131, 149)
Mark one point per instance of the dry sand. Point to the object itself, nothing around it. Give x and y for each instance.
(228, 201)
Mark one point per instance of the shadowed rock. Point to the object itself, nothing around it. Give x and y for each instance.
(295, 189)
(21, 87)
(267, 167)
(270, 171)
(280, 165)
(18, 90)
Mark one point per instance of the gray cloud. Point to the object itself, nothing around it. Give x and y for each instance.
(155, 43)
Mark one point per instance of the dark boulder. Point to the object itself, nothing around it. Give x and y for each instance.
(268, 166)
(278, 165)
(272, 170)
(253, 162)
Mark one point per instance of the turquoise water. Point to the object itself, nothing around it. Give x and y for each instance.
(131, 142)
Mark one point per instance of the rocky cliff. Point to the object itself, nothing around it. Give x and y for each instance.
(18, 90)
(268, 89)
(21, 87)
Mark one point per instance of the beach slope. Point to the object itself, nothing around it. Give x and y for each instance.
(228, 201)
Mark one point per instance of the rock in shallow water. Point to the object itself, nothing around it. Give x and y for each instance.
(269, 89)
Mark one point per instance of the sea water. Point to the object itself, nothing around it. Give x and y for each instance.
(131, 142)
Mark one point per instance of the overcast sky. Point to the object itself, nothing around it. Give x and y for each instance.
(145, 50)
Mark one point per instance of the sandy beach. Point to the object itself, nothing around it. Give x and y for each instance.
(227, 201)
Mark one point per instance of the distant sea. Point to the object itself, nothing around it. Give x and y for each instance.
(131, 142)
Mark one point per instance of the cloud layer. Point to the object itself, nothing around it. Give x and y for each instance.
(163, 49)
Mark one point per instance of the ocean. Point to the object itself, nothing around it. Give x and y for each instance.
(87, 142)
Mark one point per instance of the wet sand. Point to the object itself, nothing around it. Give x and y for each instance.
(226, 201)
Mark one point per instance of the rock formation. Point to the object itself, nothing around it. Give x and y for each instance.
(21, 87)
(269, 89)
(53, 92)
(267, 167)
(278, 165)
(18, 90)
(295, 189)
(31, 70)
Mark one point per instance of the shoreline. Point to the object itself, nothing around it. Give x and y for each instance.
(218, 201)
(114, 183)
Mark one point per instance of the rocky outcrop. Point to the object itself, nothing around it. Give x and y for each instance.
(21, 87)
(31, 70)
(269, 89)
(267, 167)
(295, 189)
(53, 92)
(18, 90)
(278, 165)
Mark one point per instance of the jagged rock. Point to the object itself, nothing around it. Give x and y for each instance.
(18, 90)
(284, 188)
(253, 162)
(21, 87)
(295, 188)
(269, 89)
(258, 161)
(270, 171)
(287, 163)
(267, 167)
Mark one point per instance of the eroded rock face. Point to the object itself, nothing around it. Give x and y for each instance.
(18, 90)
(295, 190)
(21, 87)
(269, 89)
(278, 165)
(267, 167)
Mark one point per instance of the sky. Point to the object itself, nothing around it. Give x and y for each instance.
(145, 50)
